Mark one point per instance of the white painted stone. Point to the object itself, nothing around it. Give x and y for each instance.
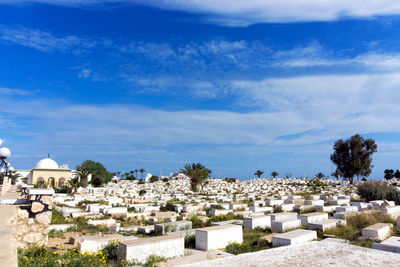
(256, 221)
(314, 202)
(287, 207)
(284, 225)
(339, 202)
(325, 224)
(378, 231)
(273, 202)
(260, 209)
(95, 243)
(326, 208)
(293, 237)
(215, 212)
(312, 217)
(60, 227)
(347, 209)
(343, 215)
(283, 216)
(140, 249)
(217, 237)
(392, 244)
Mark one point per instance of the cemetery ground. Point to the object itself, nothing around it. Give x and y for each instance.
(115, 226)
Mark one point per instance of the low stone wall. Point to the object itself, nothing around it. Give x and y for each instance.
(33, 220)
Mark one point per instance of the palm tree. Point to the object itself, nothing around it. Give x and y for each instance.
(75, 184)
(258, 173)
(197, 173)
(142, 171)
(136, 173)
(274, 174)
(335, 174)
(319, 175)
(83, 176)
(13, 176)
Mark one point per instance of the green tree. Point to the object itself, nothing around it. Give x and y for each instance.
(319, 175)
(75, 184)
(197, 173)
(258, 173)
(397, 174)
(83, 176)
(389, 174)
(353, 157)
(136, 171)
(335, 174)
(142, 171)
(153, 179)
(274, 174)
(100, 175)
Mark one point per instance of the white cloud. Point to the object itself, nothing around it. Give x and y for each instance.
(43, 40)
(246, 12)
(314, 110)
(11, 91)
(84, 73)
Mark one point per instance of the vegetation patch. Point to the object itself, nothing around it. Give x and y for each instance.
(355, 224)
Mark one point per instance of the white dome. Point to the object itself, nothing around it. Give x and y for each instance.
(4, 152)
(46, 163)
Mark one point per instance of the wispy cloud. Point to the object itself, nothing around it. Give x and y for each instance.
(13, 91)
(244, 13)
(44, 40)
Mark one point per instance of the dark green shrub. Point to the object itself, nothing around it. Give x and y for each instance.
(57, 217)
(378, 190)
(197, 222)
(190, 241)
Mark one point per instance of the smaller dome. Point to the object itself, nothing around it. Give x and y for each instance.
(46, 163)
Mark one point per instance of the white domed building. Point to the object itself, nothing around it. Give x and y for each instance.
(48, 172)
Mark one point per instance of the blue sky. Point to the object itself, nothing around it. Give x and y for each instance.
(235, 85)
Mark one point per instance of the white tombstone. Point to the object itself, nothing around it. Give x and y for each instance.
(217, 237)
(140, 249)
(256, 221)
(298, 236)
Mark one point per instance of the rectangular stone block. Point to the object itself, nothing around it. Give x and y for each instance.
(343, 215)
(347, 209)
(325, 224)
(217, 237)
(215, 212)
(172, 227)
(283, 216)
(392, 244)
(314, 202)
(298, 236)
(140, 249)
(284, 225)
(273, 202)
(378, 231)
(256, 221)
(260, 209)
(287, 207)
(312, 217)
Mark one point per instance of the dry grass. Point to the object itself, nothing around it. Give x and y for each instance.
(356, 223)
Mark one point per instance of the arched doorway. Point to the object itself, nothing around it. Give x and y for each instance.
(61, 182)
(51, 182)
(40, 182)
